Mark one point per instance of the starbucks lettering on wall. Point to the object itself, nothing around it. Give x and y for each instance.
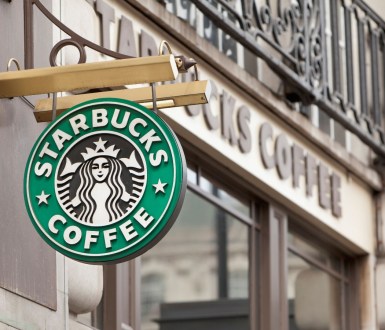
(105, 181)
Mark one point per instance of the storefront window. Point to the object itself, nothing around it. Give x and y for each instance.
(202, 266)
(316, 287)
(238, 284)
(227, 198)
(153, 293)
(192, 175)
(316, 252)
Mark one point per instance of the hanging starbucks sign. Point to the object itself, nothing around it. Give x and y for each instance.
(105, 181)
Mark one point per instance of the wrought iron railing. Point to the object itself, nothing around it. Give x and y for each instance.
(330, 53)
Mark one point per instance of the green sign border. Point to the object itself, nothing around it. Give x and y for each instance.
(169, 216)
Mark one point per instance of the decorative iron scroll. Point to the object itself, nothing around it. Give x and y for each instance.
(74, 39)
(295, 33)
(330, 54)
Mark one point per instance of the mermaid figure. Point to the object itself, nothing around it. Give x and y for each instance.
(100, 190)
(99, 194)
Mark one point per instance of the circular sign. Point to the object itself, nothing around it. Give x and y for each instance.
(105, 181)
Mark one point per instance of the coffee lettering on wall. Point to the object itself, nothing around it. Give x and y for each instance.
(336, 195)
(243, 121)
(291, 160)
(147, 44)
(266, 139)
(211, 120)
(298, 164)
(107, 14)
(283, 156)
(126, 38)
(227, 111)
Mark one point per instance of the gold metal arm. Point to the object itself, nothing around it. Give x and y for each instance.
(88, 75)
(167, 96)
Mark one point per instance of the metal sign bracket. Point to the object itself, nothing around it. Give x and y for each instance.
(118, 73)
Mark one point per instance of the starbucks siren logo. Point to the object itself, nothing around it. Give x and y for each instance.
(100, 196)
(105, 181)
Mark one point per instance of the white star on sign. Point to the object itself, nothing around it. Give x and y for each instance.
(100, 144)
(159, 186)
(43, 197)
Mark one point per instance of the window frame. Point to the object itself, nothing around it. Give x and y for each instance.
(202, 169)
(347, 275)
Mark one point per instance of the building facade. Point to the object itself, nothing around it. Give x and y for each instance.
(282, 224)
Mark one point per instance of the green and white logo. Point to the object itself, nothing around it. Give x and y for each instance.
(105, 181)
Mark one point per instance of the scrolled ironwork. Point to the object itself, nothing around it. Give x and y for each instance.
(164, 44)
(264, 19)
(299, 53)
(74, 39)
(316, 58)
(294, 32)
(332, 53)
(13, 61)
(64, 43)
